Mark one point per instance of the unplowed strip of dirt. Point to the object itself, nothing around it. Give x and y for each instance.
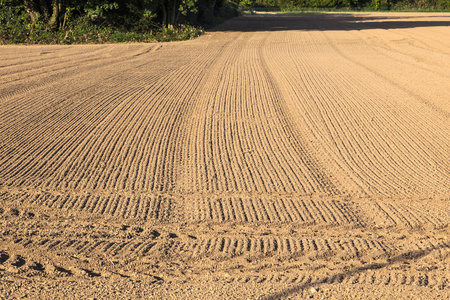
(277, 156)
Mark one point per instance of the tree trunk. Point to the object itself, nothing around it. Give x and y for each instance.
(173, 13)
(44, 8)
(164, 11)
(56, 15)
(31, 10)
(213, 5)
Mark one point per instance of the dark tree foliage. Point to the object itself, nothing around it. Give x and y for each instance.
(59, 13)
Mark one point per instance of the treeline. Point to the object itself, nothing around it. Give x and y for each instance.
(350, 4)
(99, 21)
(71, 21)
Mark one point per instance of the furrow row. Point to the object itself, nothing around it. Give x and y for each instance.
(244, 209)
(312, 249)
(350, 125)
(391, 58)
(103, 247)
(49, 77)
(139, 207)
(135, 126)
(269, 210)
(20, 60)
(86, 63)
(58, 108)
(344, 249)
(300, 281)
(239, 138)
(53, 56)
(403, 215)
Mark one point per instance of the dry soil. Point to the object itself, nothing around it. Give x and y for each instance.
(277, 156)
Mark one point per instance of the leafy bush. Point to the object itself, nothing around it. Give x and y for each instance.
(104, 21)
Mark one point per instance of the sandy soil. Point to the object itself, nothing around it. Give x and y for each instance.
(278, 156)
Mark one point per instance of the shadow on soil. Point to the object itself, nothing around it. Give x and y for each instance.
(326, 21)
(407, 256)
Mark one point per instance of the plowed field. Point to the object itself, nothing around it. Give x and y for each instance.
(277, 156)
